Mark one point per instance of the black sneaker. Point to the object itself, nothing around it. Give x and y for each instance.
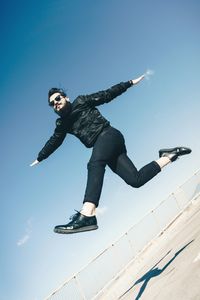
(79, 223)
(174, 153)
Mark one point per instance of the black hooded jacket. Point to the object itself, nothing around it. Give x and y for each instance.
(84, 120)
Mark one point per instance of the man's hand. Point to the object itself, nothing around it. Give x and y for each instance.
(34, 163)
(137, 80)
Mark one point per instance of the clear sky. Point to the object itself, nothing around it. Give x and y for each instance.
(86, 46)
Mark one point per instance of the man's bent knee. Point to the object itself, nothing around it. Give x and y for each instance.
(134, 183)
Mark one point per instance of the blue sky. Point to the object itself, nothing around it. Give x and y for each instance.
(86, 46)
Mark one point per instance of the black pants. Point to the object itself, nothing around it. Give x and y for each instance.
(109, 149)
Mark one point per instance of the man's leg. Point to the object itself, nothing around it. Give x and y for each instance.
(96, 171)
(95, 181)
(124, 167)
(85, 220)
(108, 145)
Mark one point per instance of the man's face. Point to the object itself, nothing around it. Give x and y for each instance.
(59, 103)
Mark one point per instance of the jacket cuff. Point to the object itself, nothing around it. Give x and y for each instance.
(128, 84)
(39, 158)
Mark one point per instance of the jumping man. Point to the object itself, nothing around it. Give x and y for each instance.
(82, 119)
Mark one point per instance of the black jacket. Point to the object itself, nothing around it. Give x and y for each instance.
(84, 120)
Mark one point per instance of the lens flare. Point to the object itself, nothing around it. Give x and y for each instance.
(148, 73)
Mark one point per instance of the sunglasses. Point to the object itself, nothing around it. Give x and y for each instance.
(57, 99)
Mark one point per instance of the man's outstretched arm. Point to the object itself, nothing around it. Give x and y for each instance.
(52, 144)
(111, 93)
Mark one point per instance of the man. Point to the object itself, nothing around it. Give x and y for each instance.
(82, 119)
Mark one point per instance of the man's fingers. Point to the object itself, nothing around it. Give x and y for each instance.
(137, 80)
(141, 77)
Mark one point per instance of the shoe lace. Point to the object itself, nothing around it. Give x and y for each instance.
(74, 216)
